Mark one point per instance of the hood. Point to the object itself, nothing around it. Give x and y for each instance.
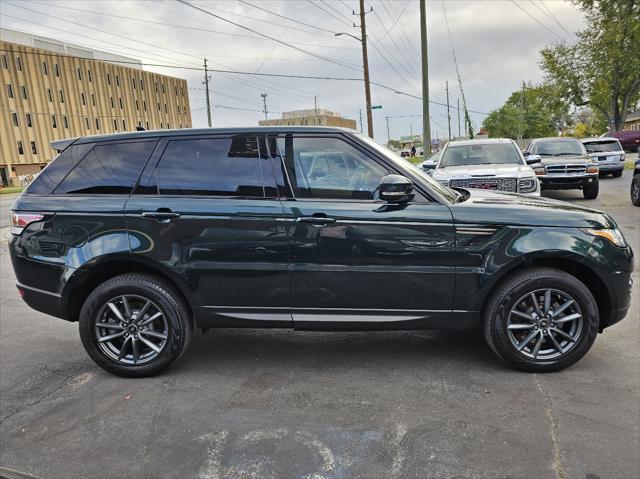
(486, 207)
(510, 170)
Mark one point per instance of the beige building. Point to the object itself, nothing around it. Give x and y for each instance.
(632, 122)
(52, 90)
(311, 117)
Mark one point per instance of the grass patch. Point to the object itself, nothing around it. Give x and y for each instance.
(11, 190)
(629, 164)
(415, 160)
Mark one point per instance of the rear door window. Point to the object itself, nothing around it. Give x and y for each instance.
(602, 146)
(50, 177)
(222, 166)
(112, 168)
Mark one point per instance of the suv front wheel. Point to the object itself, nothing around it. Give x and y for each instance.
(590, 192)
(541, 320)
(134, 325)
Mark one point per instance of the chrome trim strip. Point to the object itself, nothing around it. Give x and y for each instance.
(37, 290)
(383, 222)
(351, 318)
(295, 308)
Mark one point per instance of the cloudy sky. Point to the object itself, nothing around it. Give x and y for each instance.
(496, 44)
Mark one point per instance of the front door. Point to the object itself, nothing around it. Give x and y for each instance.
(207, 212)
(358, 262)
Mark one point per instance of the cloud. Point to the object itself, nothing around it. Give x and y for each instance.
(496, 45)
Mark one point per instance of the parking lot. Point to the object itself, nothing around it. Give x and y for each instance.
(286, 404)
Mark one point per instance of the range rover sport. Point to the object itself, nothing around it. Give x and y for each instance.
(142, 237)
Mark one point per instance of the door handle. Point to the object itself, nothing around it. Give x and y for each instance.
(162, 215)
(316, 220)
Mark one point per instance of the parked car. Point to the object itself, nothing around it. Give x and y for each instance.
(635, 184)
(563, 164)
(630, 140)
(142, 237)
(608, 153)
(488, 164)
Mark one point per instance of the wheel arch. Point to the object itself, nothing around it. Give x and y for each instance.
(83, 282)
(570, 265)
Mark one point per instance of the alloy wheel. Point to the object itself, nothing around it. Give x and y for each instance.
(131, 329)
(545, 324)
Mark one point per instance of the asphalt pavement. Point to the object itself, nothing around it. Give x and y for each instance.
(286, 404)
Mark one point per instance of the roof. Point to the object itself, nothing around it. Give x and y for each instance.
(482, 141)
(205, 131)
(556, 138)
(598, 138)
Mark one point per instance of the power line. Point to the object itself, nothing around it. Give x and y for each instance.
(285, 17)
(328, 13)
(536, 20)
(330, 60)
(550, 14)
(331, 7)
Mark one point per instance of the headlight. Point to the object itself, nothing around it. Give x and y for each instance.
(613, 235)
(539, 170)
(593, 169)
(527, 185)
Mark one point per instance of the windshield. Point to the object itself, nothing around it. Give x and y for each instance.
(481, 154)
(602, 146)
(558, 147)
(444, 191)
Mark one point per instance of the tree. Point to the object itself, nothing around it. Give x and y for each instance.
(602, 70)
(530, 112)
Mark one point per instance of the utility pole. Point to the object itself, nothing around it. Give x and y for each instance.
(365, 66)
(361, 121)
(448, 113)
(315, 107)
(264, 100)
(459, 130)
(206, 88)
(426, 132)
(388, 135)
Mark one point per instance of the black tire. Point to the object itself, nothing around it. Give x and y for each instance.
(617, 174)
(175, 318)
(590, 192)
(635, 190)
(510, 291)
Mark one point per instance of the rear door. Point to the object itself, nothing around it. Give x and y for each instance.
(357, 261)
(207, 212)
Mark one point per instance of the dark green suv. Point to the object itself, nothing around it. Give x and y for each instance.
(141, 237)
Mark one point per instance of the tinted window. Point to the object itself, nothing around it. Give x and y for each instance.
(480, 154)
(558, 147)
(48, 179)
(329, 168)
(112, 168)
(211, 166)
(602, 146)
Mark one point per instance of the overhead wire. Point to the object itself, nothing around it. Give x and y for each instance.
(536, 20)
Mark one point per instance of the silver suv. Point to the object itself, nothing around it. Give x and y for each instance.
(563, 164)
(609, 154)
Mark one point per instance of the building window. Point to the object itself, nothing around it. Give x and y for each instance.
(23, 89)
(141, 84)
(19, 63)
(5, 63)
(79, 74)
(159, 109)
(49, 94)
(45, 68)
(175, 89)
(34, 150)
(113, 103)
(89, 75)
(83, 99)
(54, 123)
(20, 148)
(86, 122)
(124, 126)
(144, 105)
(117, 80)
(61, 96)
(165, 108)
(93, 99)
(133, 82)
(147, 125)
(115, 124)
(178, 109)
(163, 88)
(137, 106)
(168, 125)
(161, 125)
(108, 79)
(14, 117)
(56, 69)
(65, 121)
(97, 123)
(156, 87)
(121, 103)
(9, 90)
(29, 121)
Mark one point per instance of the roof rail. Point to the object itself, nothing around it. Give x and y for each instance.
(61, 145)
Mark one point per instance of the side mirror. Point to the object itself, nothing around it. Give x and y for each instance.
(532, 159)
(395, 189)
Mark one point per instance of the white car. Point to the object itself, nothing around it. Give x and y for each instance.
(487, 164)
(608, 153)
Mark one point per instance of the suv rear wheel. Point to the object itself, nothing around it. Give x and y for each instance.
(134, 325)
(541, 320)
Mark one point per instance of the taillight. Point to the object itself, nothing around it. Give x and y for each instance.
(20, 221)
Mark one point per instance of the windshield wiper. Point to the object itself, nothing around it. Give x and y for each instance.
(565, 154)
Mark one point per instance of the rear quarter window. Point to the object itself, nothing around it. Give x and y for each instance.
(111, 168)
(60, 166)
